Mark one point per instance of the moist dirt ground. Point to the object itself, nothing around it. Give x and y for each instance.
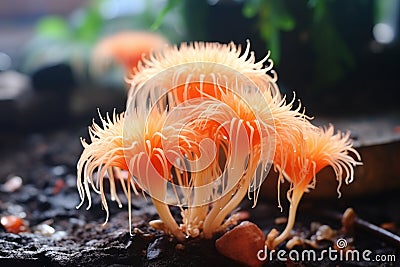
(58, 234)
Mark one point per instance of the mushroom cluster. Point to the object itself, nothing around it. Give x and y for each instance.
(204, 124)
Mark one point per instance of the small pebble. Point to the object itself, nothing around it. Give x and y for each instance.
(5, 61)
(180, 247)
(76, 221)
(58, 186)
(13, 224)
(45, 229)
(325, 232)
(348, 219)
(28, 194)
(16, 210)
(70, 180)
(242, 244)
(155, 249)
(59, 170)
(12, 184)
(281, 220)
(58, 235)
(390, 226)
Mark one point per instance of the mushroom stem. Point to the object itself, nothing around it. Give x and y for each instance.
(272, 242)
(232, 203)
(168, 220)
(216, 208)
(236, 197)
(197, 213)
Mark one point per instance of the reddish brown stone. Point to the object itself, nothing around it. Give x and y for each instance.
(242, 244)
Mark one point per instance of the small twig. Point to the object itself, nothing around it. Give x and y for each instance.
(379, 232)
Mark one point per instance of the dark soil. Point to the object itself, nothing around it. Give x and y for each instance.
(58, 234)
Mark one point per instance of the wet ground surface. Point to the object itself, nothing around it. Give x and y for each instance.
(58, 234)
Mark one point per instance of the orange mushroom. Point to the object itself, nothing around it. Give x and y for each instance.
(203, 125)
(302, 156)
(125, 48)
(197, 133)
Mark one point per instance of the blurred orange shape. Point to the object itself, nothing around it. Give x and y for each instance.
(125, 48)
(13, 224)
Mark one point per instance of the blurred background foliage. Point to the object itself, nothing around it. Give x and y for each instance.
(333, 34)
(71, 39)
(322, 49)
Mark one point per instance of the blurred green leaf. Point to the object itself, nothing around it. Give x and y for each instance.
(312, 3)
(251, 8)
(53, 27)
(273, 17)
(333, 57)
(286, 22)
(319, 9)
(168, 7)
(90, 27)
(271, 35)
